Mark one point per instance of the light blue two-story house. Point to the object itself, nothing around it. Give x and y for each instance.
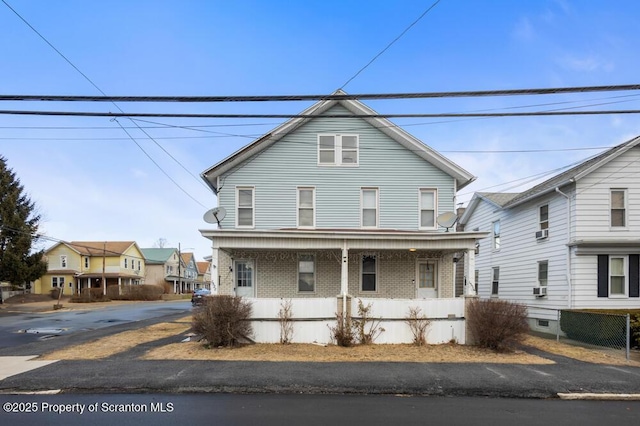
(338, 201)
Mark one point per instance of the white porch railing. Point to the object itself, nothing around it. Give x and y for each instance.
(313, 317)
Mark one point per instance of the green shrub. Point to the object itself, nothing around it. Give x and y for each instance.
(223, 320)
(497, 324)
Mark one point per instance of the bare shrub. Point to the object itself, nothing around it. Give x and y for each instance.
(55, 293)
(285, 315)
(366, 327)
(418, 324)
(136, 292)
(90, 295)
(343, 333)
(223, 320)
(497, 324)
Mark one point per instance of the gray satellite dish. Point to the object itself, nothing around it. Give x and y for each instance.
(215, 215)
(447, 219)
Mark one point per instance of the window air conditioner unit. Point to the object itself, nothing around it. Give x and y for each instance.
(540, 235)
(540, 291)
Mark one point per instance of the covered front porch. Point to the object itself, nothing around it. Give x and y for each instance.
(323, 263)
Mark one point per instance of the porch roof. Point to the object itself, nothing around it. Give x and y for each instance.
(341, 238)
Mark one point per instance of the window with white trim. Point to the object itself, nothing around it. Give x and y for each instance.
(306, 273)
(126, 263)
(496, 235)
(338, 150)
(619, 208)
(369, 273)
(543, 217)
(427, 208)
(617, 276)
(57, 281)
(306, 207)
(63, 261)
(543, 273)
(369, 203)
(245, 207)
(495, 280)
(86, 262)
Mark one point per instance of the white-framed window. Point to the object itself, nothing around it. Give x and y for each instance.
(369, 273)
(306, 273)
(86, 262)
(369, 207)
(543, 217)
(139, 265)
(428, 203)
(63, 261)
(543, 273)
(306, 207)
(617, 276)
(495, 280)
(57, 282)
(338, 150)
(126, 263)
(618, 208)
(245, 207)
(496, 235)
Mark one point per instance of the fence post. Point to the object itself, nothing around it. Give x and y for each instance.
(558, 326)
(628, 336)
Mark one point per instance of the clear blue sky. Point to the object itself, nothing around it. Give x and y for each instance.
(91, 173)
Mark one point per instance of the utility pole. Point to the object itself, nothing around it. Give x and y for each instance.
(104, 261)
(179, 269)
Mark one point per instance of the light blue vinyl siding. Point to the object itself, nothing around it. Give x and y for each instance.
(292, 162)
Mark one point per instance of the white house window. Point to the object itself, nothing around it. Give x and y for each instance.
(63, 261)
(618, 207)
(543, 216)
(338, 150)
(86, 263)
(126, 263)
(495, 281)
(306, 273)
(427, 208)
(57, 281)
(139, 264)
(617, 276)
(245, 207)
(496, 235)
(369, 200)
(306, 207)
(369, 273)
(543, 273)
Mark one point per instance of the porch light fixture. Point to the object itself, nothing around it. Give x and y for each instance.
(412, 250)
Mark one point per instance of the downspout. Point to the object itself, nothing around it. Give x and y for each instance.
(568, 272)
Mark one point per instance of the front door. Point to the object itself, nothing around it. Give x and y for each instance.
(427, 279)
(245, 278)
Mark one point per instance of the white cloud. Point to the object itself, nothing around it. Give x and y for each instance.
(524, 30)
(587, 63)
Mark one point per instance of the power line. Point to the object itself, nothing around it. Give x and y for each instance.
(390, 44)
(347, 116)
(335, 97)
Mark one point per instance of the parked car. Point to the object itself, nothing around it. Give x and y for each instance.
(197, 298)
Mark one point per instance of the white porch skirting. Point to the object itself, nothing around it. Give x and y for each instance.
(312, 318)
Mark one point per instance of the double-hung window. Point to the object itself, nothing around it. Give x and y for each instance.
(57, 281)
(125, 263)
(369, 202)
(428, 208)
(543, 217)
(338, 150)
(86, 262)
(618, 208)
(495, 280)
(617, 276)
(496, 235)
(369, 272)
(63, 261)
(306, 273)
(306, 207)
(245, 207)
(543, 273)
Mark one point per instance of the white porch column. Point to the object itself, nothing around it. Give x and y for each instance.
(344, 277)
(470, 273)
(214, 271)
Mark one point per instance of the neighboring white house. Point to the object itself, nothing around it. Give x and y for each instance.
(333, 203)
(570, 242)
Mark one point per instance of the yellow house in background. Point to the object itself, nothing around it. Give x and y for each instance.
(91, 264)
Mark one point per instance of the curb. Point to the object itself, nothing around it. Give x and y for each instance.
(600, 396)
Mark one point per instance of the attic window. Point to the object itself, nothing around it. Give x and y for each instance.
(338, 150)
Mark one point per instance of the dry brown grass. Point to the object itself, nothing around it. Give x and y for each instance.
(576, 352)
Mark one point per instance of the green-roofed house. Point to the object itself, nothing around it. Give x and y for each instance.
(163, 268)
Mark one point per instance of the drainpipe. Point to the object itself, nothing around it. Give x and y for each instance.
(570, 289)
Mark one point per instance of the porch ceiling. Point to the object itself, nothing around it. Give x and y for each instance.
(335, 239)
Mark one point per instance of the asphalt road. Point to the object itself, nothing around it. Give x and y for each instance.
(22, 328)
(308, 410)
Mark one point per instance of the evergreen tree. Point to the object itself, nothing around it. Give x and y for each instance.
(19, 224)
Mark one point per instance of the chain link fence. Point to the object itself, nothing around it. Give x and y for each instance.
(595, 329)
